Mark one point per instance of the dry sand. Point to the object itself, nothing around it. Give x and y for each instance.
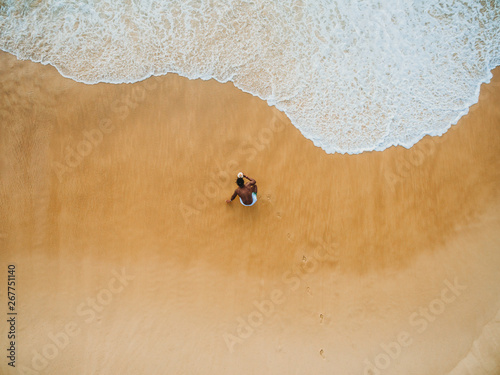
(129, 261)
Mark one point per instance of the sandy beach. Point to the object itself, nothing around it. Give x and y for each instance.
(128, 260)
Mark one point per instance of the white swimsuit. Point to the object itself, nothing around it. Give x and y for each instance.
(254, 199)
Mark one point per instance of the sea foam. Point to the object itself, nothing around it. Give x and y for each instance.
(351, 75)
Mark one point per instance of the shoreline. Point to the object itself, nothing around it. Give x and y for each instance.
(438, 133)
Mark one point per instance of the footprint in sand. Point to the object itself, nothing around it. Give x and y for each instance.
(325, 320)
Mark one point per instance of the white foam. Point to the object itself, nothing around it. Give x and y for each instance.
(352, 76)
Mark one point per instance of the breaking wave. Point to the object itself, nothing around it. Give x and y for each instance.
(351, 75)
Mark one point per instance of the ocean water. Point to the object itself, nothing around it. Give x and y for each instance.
(351, 75)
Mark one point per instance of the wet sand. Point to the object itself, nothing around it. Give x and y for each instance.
(128, 260)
